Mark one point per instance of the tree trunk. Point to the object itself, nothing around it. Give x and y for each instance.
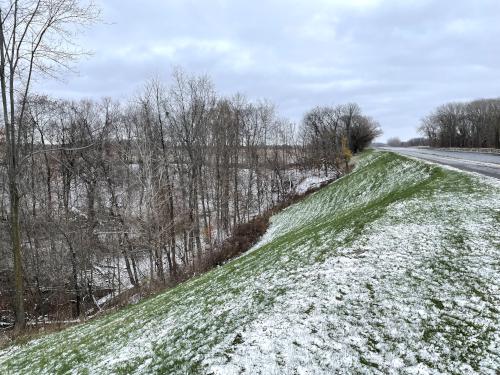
(74, 273)
(15, 232)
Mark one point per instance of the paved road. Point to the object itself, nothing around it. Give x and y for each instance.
(487, 164)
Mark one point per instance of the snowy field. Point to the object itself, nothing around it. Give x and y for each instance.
(393, 269)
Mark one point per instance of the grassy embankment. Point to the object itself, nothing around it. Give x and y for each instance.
(394, 268)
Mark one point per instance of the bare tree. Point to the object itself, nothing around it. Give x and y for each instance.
(35, 37)
(349, 113)
(364, 130)
(329, 132)
(394, 142)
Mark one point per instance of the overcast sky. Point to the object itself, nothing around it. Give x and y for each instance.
(397, 59)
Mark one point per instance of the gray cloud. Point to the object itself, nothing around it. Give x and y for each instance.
(396, 59)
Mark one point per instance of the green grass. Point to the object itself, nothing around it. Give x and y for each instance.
(393, 268)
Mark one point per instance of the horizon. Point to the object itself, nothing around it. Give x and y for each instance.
(397, 61)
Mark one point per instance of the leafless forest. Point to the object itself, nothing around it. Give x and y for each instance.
(116, 196)
(101, 197)
(473, 124)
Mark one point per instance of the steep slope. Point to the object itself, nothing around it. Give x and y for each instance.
(393, 269)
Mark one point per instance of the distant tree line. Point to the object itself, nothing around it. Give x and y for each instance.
(413, 142)
(114, 195)
(473, 124)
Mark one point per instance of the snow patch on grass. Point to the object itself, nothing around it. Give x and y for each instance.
(309, 183)
(392, 269)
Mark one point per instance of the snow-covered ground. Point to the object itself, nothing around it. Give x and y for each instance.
(393, 269)
(310, 183)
